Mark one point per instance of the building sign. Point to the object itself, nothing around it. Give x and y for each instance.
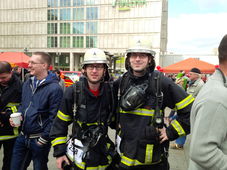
(127, 4)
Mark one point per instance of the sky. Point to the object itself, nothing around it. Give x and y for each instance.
(196, 26)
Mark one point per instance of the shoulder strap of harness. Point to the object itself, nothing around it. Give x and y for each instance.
(158, 116)
(77, 97)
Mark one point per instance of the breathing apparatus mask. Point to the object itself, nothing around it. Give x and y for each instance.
(134, 97)
(91, 135)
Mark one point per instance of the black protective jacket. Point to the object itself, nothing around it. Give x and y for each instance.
(139, 144)
(10, 98)
(91, 111)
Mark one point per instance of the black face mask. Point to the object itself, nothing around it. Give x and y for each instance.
(134, 97)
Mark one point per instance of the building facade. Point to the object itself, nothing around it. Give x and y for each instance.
(67, 28)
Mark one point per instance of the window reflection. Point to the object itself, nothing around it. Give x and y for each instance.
(65, 42)
(92, 13)
(65, 14)
(52, 3)
(78, 42)
(78, 13)
(52, 15)
(78, 2)
(91, 42)
(78, 28)
(64, 3)
(65, 28)
(91, 28)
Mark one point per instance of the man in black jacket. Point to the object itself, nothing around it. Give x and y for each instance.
(88, 104)
(143, 95)
(10, 97)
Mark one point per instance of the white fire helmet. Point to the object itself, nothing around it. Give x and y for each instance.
(140, 45)
(94, 55)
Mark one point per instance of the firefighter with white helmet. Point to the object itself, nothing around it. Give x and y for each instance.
(143, 95)
(88, 104)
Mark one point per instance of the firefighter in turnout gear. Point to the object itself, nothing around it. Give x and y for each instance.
(143, 94)
(10, 98)
(88, 104)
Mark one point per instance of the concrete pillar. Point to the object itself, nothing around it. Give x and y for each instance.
(71, 65)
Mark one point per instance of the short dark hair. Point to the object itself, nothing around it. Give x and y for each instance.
(195, 70)
(56, 71)
(45, 57)
(222, 50)
(5, 67)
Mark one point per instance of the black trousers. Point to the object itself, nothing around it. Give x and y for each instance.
(8, 150)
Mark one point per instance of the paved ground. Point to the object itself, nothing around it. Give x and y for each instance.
(178, 158)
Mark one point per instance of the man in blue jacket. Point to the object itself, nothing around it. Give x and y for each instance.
(41, 97)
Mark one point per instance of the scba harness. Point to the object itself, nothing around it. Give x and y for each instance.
(152, 89)
(85, 136)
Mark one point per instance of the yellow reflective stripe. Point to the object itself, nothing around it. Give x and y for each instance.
(182, 104)
(63, 116)
(12, 104)
(14, 109)
(149, 153)
(130, 162)
(59, 140)
(178, 128)
(89, 124)
(140, 112)
(82, 165)
(16, 131)
(7, 137)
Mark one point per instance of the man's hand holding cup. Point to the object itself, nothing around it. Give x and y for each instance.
(15, 119)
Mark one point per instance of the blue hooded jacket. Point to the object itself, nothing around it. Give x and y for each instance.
(39, 105)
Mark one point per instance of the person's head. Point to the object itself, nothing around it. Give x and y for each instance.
(194, 73)
(57, 72)
(39, 64)
(222, 50)
(95, 66)
(140, 57)
(5, 73)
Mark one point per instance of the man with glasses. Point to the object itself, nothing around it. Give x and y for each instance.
(88, 104)
(41, 97)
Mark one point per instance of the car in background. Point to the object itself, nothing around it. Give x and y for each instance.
(73, 75)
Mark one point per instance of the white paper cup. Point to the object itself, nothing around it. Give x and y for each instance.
(16, 118)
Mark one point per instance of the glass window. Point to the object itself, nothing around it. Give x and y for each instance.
(52, 15)
(65, 28)
(52, 42)
(92, 2)
(78, 28)
(52, 3)
(91, 42)
(78, 2)
(65, 14)
(91, 28)
(78, 13)
(65, 42)
(52, 28)
(64, 3)
(92, 13)
(78, 42)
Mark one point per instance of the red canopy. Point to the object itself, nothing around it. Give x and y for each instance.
(15, 58)
(188, 64)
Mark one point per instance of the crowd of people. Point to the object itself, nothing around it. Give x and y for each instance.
(133, 105)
